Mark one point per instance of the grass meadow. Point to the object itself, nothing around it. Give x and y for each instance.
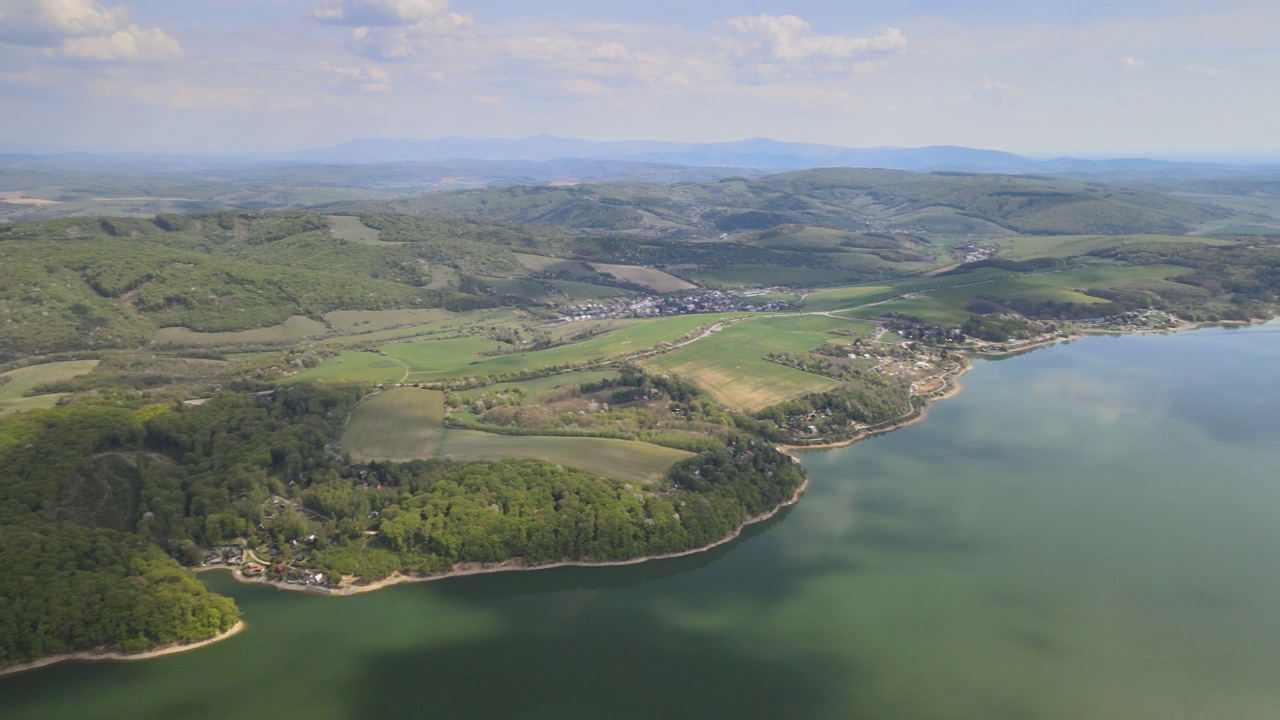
(730, 364)
(399, 424)
(23, 380)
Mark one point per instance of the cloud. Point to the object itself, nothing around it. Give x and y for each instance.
(774, 43)
(368, 77)
(131, 43)
(992, 92)
(83, 29)
(1132, 63)
(422, 15)
(1200, 71)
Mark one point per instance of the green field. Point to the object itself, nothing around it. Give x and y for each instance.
(853, 296)
(1063, 246)
(23, 380)
(361, 321)
(291, 330)
(349, 228)
(404, 424)
(438, 359)
(585, 291)
(573, 269)
(766, 276)
(606, 457)
(729, 365)
(400, 424)
(947, 306)
(651, 278)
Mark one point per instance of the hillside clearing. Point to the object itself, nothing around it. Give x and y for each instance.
(618, 459)
(23, 380)
(400, 424)
(649, 277)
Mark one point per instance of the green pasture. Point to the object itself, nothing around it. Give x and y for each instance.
(23, 380)
(585, 291)
(947, 306)
(619, 459)
(360, 321)
(355, 366)
(531, 291)
(766, 276)
(295, 328)
(730, 364)
(651, 278)
(845, 298)
(349, 228)
(573, 269)
(1064, 246)
(400, 424)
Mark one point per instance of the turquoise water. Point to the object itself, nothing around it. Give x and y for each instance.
(1087, 531)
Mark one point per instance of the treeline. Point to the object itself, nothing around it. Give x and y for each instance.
(436, 514)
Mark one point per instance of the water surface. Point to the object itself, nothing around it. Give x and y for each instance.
(1087, 531)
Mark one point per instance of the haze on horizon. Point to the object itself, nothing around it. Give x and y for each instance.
(1173, 77)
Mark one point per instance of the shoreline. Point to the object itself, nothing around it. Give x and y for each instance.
(516, 564)
(119, 656)
(952, 389)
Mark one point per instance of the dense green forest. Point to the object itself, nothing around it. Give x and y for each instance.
(101, 506)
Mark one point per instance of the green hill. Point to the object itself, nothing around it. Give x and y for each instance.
(846, 198)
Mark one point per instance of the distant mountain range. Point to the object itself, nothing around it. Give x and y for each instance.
(532, 154)
(761, 153)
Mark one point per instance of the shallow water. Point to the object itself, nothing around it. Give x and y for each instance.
(1087, 531)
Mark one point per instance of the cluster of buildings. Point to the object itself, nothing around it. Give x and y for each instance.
(1134, 321)
(681, 304)
(700, 301)
(974, 252)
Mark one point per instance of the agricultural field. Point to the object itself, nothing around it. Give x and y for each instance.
(730, 364)
(844, 298)
(572, 269)
(355, 366)
(628, 460)
(23, 380)
(1064, 246)
(575, 291)
(431, 360)
(400, 424)
(349, 228)
(295, 328)
(525, 291)
(947, 306)
(767, 276)
(655, 280)
(361, 321)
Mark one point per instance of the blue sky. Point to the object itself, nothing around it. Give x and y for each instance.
(1179, 77)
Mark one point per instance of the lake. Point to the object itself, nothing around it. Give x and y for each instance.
(1087, 531)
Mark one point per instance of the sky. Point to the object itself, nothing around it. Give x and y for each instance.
(1174, 78)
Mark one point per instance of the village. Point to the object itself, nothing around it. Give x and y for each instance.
(703, 301)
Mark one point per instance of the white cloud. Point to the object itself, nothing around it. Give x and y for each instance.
(368, 77)
(83, 29)
(990, 92)
(773, 43)
(390, 13)
(1200, 71)
(1132, 63)
(131, 43)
